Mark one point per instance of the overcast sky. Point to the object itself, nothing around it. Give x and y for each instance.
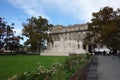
(64, 12)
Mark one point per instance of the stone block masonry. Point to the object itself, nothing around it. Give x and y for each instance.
(67, 40)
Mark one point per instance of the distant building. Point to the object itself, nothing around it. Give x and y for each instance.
(67, 40)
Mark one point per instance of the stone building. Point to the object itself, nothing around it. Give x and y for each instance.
(67, 40)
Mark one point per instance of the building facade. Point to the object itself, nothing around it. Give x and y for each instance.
(67, 40)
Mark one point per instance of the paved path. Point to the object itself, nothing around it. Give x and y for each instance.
(108, 69)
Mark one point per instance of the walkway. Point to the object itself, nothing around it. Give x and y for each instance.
(108, 69)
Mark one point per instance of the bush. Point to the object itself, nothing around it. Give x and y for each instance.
(57, 71)
(88, 55)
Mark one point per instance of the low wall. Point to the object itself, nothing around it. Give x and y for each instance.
(81, 74)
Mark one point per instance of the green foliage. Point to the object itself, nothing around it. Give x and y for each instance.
(56, 71)
(37, 32)
(42, 73)
(105, 28)
(87, 55)
(17, 64)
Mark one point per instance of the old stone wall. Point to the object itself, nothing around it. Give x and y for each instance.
(67, 40)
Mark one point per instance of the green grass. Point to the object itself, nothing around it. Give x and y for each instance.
(11, 65)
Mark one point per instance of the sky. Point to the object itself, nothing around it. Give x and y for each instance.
(62, 12)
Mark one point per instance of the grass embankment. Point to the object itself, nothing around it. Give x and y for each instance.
(17, 64)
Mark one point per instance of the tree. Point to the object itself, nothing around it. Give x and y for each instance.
(7, 38)
(2, 29)
(36, 30)
(104, 28)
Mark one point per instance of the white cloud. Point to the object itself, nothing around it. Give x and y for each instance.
(31, 7)
(79, 9)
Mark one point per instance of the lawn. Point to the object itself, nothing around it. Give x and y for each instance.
(11, 65)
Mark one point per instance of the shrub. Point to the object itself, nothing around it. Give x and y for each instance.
(87, 55)
(56, 71)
